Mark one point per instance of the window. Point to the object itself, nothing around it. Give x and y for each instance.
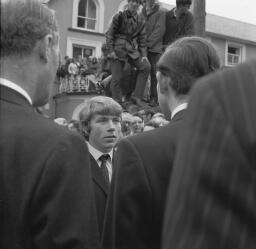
(83, 47)
(84, 51)
(88, 15)
(235, 54)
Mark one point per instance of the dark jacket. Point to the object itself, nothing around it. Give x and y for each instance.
(46, 196)
(155, 28)
(211, 202)
(127, 35)
(178, 27)
(134, 213)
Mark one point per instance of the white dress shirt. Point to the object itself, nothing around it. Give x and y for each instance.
(15, 87)
(179, 108)
(97, 154)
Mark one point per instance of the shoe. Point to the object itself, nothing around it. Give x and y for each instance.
(138, 102)
(145, 100)
(153, 102)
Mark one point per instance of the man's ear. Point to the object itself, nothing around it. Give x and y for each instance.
(86, 127)
(45, 45)
(164, 84)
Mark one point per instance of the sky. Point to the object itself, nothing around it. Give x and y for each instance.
(242, 10)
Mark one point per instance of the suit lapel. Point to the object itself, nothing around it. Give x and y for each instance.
(97, 176)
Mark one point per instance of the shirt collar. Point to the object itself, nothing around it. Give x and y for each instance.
(15, 87)
(96, 153)
(179, 108)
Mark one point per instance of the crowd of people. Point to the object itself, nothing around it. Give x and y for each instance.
(135, 40)
(131, 123)
(182, 178)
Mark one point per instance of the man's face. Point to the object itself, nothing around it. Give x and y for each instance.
(126, 124)
(162, 93)
(133, 5)
(104, 132)
(48, 74)
(138, 124)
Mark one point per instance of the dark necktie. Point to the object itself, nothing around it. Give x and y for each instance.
(104, 158)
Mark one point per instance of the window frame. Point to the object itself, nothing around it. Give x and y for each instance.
(95, 45)
(99, 24)
(242, 55)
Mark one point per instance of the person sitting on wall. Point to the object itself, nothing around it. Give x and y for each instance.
(126, 41)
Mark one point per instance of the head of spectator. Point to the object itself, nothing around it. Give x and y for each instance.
(182, 7)
(101, 121)
(94, 60)
(181, 65)
(183, 4)
(66, 59)
(148, 3)
(148, 127)
(138, 123)
(61, 121)
(74, 125)
(79, 58)
(29, 47)
(133, 5)
(126, 125)
(104, 50)
(146, 114)
(158, 114)
(159, 121)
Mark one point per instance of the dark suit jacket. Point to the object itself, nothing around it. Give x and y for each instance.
(100, 190)
(46, 196)
(212, 198)
(135, 209)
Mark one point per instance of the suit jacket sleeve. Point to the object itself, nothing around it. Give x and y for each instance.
(129, 208)
(211, 200)
(63, 209)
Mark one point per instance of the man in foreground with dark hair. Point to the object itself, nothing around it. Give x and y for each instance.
(143, 164)
(46, 199)
(211, 201)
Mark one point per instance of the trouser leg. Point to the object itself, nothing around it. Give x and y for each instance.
(153, 59)
(117, 74)
(143, 69)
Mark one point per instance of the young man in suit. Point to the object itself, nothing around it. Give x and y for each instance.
(211, 200)
(144, 162)
(101, 121)
(45, 176)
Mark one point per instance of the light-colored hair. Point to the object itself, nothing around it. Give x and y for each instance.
(23, 23)
(186, 60)
(99, 105)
